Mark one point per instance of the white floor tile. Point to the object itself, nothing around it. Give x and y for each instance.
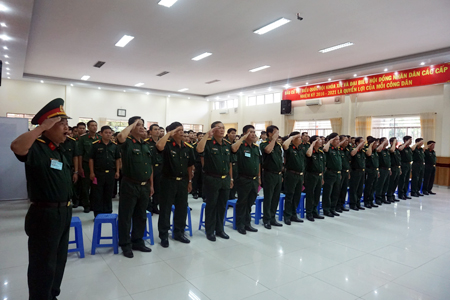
(178, 291)
(428, 284)
(393, 291)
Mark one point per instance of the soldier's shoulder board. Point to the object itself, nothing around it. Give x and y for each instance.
(146, 140)
(279, 144)
(42, 141)
(255, 144)
(129, 137)
(71, 138)
(263, 142)
(227, 141)
(95, 142)
(209, 139)
(189, 145)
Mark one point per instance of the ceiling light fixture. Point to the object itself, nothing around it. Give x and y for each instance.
(167, 3)
(354, 75)
(8, 73)
(422, 63)
(183, 90)
(71, 84)
(6, 56)
(8, 69)
(4, 37)
(259, 69)
(4, 47)
(139, 84)
(287, 86)
(42, 81)
(168, 96)
(147, 93)
(3, 25)
(269, 89)
(124, 91)
(329, 79)
(202, 56)
(189, 98)
(99, 88)
(336, 47)
(124, 40)
(272, 26)
(307, 83)
(217, 98)
(9, 77)
(241, 93)
(386, 70)
(6, 63)
(85, 77)
(3, 8)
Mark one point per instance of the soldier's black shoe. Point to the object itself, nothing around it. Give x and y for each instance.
(408, 197)
(339, 210)
(141, 248)
(374, 205)
(296, 219)
(86, 210)
(242, 231)
(420, 194)
(287, 222)
(425, 193)
(361, 208)
(345, 209)
(182, 238)
(128, 253)
(275, 223)
(354, 208)
(165, 243)
(431, 193)
(222, 235)
(267, 226)
(328, 214)
(195, 196)
(251, 229)
(310, 218)
(155, 210)
(211, 237)
(318, 217)
(414, 195)
(335, 214)
(386, 202)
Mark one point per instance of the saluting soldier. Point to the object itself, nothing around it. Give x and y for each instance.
(84, 144)
(346, 157)
(104, 165)
(231, 137)
(216, 152)
(248, 158)
(418, 168)
(396, 170)
(430, 168)
(315, 166)
(136, 186)
(293, 176)
(406, 161)
(357, 174)
(49, 178)
(272, 165)
(332, 176)
(372, 171)
(382, 184)
(71, 153)
(176, 182)
(197, 181)
(157, 169)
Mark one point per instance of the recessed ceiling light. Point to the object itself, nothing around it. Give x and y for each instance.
(124, 91)
(272, 26)
(8, 69)
(8, 73)
(6, 63)
(254, 92)
(42, 81)
(148, 93)
(124, 40)
(386, 70)
(3, 8)
(6, 56)
(241, 93)
(168, 96)
(183, 90)
(3, 24)
(307, 83)
(4, 47)
(99, 88)
(139, 84)
(269, 89)
(217, 98)
(9, 77)
(71, 84)
(354, 75)
(85, 77)
(202, 56)
(189, 98)
(259, 68)
(4, 37)
(329, 79)
(287, 86)
(422, 63)
(336, 47)
(167, 3)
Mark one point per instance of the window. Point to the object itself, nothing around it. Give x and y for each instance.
(320, 128)
(264, 99)
(251, 101)
(117, 125)
(195, 127)
(277, 97)
(84, 120)
(24, 116)
(269, 98)
(227, 104)
(396, 126)
(259, 127)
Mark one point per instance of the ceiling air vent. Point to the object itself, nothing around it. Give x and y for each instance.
(212, 81)
(162, 73)
(99, 64)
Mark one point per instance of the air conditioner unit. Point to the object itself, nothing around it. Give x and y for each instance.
(313, 102)
(224, 112)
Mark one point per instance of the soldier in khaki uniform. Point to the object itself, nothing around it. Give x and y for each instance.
(315, 166)
(216, 152)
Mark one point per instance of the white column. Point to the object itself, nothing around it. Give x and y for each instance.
(444, 138)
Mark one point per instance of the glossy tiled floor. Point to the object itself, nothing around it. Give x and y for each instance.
(399, 251)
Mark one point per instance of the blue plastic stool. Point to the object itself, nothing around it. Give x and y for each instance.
(97, 236)
(189, 224)
(348, 197)
(202, 223)
(233, 218)
(280, 210)
(301, 206)
(148, 233)
(76, 224)
(257, 215)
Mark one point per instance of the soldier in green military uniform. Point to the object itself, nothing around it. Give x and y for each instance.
(176, 182)
(332, 176)
(197, 181)
(396, 170)
(315, 166)
(357, 174)
(346, 157)
(84, 145)
(231, 137)
(293, 176)
(248, 158)
(104, 165)
(216, 152)
(71, 153)
(382, 184)
(305, 142)
(157, 169)
(418, 168)
(406, 160)
(49, 178)
(372, 171)
(430, 168)
(136, 186)
(272, 164)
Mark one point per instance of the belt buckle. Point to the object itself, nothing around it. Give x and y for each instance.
(389, 169)
(346, 171)
(106, 171)
(377, 169)
(254, 178)
(224, 176)
(339, 172)
(363, 170)
(178, 178)
(144, 183)
(279, 173)
(68, 203)
(320, 174)
(156, 165)
(434, 166)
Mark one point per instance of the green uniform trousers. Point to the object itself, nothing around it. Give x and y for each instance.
(155, 199)
(369, 185)
(48, 241)
(418, 170)
(132, 209)
(233, 191)
(343, 190)
(85, 187)
(272, 190)
(173, 192)
(356, 183)
(197, 180)
(403, 181)
(393, 183)
(293, 185)
(313, 186)
(382, 185)
(217, 191)
(331, 190)
(428, 178)
(101, 199)
(247, 190)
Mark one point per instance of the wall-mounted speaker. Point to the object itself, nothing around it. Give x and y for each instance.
(286, 107)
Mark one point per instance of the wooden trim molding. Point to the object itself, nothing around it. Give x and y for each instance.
(442, 171)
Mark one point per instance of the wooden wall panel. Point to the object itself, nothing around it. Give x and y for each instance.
(442, 171)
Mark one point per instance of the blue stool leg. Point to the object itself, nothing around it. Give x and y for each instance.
(234, 216)
(280, 208)
(201, 216)
(79, 240)
(173, 225)
(226, 213)
(257, 212)
(150, 228)
(302, 206)
(115, 236)
(95, 237)
(189, 220)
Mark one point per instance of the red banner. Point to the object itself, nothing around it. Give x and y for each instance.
(388, 81)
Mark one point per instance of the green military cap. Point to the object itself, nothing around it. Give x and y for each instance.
(53, 109)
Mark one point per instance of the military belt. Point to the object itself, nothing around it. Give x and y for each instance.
(339, 172)
(362, 170)
(135, 181)
(176, 178)
(216, 175)
(315, 173)
(384, 168)
(273, 172)
(51, 204)
(294, 172)
(248, 177)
